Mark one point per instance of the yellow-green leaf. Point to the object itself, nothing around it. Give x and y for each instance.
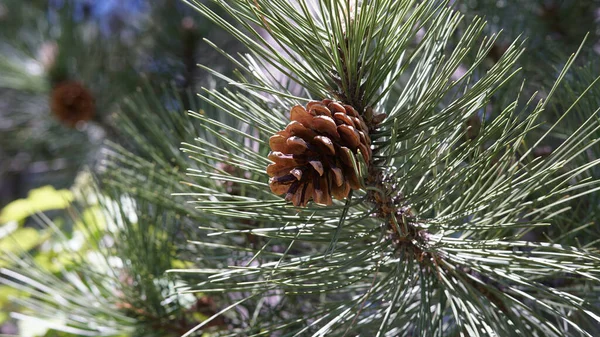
(39, 200)
(23, 239)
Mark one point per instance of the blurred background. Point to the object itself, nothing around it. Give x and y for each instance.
(69, 70)
(65, 67)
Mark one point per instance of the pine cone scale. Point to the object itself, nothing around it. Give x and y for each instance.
(342, 118)
(321, 110)
(298, 173)
(295, 145)
(325, 125)
(295, 128)
(349, 136)
(317, 166)
(277, 143)
(336, 107)
(300, 115)
(278, 188)
(338, 175)
(324, 144)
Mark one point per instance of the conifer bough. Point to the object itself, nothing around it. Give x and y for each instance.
(434, 245)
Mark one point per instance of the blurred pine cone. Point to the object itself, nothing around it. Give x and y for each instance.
(71, 103)
(312, 155)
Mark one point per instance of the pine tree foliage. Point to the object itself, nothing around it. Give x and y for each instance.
(133, 231)
(115, 285)
(62, 303)
(579, 224)
(551, 35)
(433, 245)
(149, 167)
(547, 24)
(459, 229)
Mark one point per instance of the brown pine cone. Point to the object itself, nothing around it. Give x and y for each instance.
(71, 102)
(312, 155)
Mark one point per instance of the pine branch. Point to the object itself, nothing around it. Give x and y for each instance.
(434, 234)
(115, 284)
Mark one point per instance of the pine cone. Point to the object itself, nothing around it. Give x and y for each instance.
(71, 102)
(312, 155)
